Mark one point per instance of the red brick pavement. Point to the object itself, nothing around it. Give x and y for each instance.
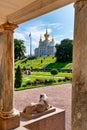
(59, 96)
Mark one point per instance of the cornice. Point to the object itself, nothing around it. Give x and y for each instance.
(35, 9)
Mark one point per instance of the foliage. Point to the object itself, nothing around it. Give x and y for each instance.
(43, 76)
(18, 77)
(58, 65)
(48, 63)
(54, 72)
(19, 49)
(64, 51)
(24, 68)
(44, 80)
(32, 57)
(35, 63)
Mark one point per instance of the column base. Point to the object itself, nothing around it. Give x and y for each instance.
(10, 123)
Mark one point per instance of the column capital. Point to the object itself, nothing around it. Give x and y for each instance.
(9, 26)
(79, 5)
(80, 1)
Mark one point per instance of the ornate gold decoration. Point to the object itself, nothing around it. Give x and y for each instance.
(46, 35)
(53, 40)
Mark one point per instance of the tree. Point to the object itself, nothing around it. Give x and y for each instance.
(54, 72)
(18, 77)
(64, 51)
(19, 49)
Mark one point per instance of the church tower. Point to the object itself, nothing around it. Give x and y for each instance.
(46, 47)
(52, 41)
(46, 35)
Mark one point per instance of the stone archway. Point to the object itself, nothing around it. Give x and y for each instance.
(79, 92)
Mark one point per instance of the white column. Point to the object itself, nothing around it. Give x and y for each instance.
(79, 89)
(9, 118)
(7, 69)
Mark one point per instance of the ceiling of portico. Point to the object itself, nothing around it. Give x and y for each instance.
(19, 11)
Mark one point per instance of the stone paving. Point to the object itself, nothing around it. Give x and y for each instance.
(59, 96)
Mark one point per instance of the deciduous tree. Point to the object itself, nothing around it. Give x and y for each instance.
(19, 49)
(64, 51)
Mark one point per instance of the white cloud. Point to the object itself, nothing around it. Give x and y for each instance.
(55, 25)
(38, 29)
(35, 31)
(19, 35)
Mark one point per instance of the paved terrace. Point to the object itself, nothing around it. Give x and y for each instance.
(59, 96)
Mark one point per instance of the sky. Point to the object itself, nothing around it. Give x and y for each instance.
(59, 23)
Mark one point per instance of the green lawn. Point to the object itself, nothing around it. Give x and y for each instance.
(48, 62)
(42, 76)
(58, 65)
(60, 74)
(41, 62)
(35, 63)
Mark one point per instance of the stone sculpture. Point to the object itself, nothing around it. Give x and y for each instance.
(36, 108)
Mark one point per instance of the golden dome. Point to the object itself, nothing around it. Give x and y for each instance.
(46, 35)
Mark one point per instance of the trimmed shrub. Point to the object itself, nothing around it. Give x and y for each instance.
(67, 78)
(24, 86)
(59, 80)
(54, 72)
(18, 77)
(46, 81)
(64, 80)
(28, 83)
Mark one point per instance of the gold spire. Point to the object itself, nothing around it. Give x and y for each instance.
(53, 40)
(46, 35)
(40, 39)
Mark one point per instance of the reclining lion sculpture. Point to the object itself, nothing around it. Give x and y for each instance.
(39, 107)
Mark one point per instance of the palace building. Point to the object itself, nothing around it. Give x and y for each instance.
(46, 47)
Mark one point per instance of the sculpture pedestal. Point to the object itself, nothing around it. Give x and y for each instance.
(10, 123)
(51, 121)
(36, 115)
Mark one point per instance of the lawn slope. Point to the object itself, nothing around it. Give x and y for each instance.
(42, 62)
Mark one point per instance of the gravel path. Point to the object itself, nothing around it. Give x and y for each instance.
(59, 96)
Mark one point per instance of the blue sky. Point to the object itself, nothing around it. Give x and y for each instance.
(60, 25)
